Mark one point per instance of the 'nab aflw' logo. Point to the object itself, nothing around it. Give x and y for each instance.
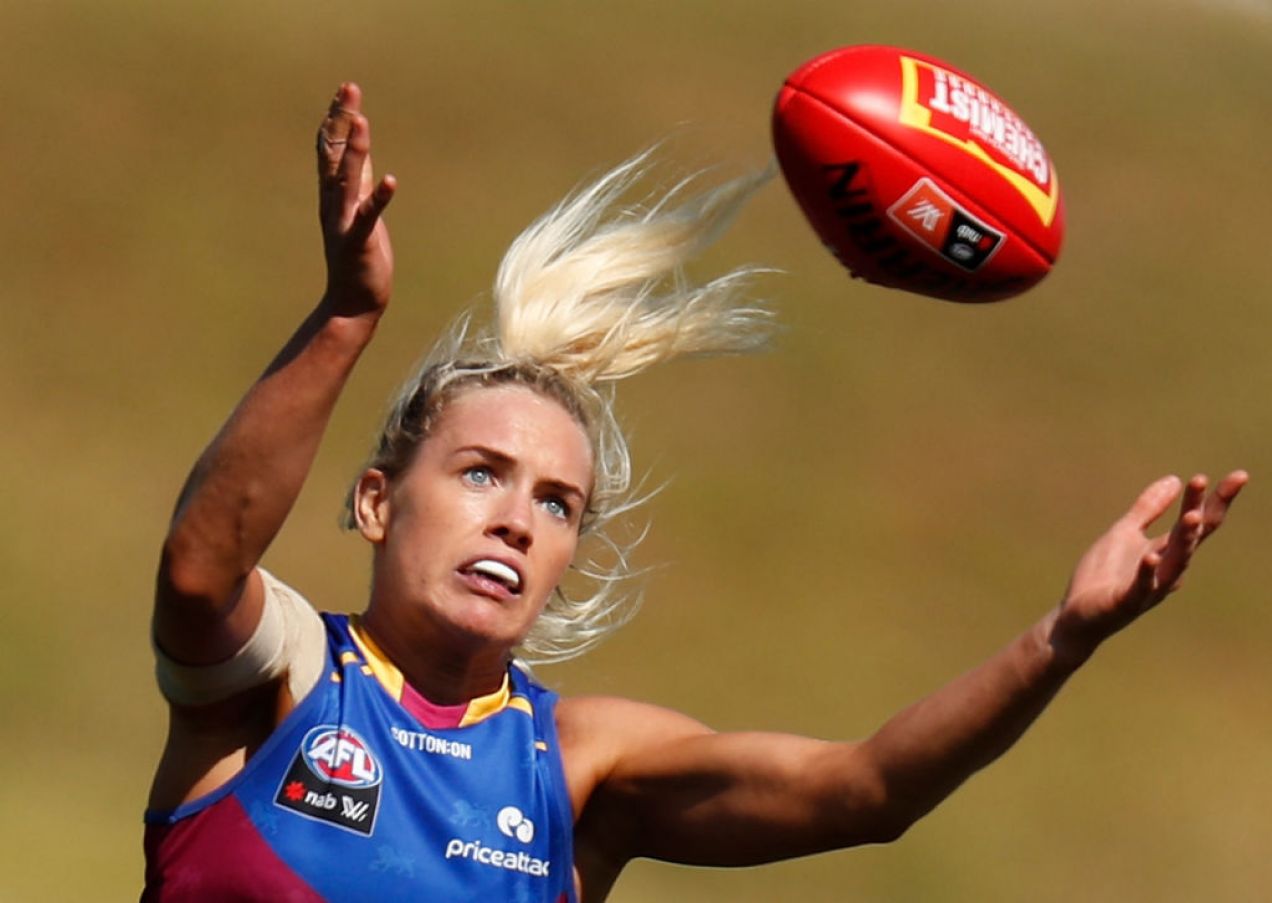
(931, 216)
(335, 778)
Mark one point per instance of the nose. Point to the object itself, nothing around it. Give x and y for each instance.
(512, 520)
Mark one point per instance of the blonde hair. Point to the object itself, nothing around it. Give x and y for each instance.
(591, 293)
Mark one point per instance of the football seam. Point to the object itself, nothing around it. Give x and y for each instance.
(1050, 260)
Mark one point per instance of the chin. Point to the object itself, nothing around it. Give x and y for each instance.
(487, 624)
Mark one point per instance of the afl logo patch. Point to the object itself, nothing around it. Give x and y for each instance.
(334, 777)
(338, 755)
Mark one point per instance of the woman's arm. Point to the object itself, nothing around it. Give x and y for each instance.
(660, 785)
(925, 752)
(208, 597)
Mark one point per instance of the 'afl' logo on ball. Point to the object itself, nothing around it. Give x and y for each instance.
(339, 756)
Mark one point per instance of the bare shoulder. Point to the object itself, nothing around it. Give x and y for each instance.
(603, 720)
(598, 732)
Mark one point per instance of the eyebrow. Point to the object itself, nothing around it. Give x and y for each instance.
(491, 454)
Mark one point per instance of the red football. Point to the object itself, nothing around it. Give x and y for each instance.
(917, 176)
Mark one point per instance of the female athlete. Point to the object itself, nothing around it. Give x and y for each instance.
(406, 752)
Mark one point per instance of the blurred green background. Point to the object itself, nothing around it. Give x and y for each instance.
(895, 490)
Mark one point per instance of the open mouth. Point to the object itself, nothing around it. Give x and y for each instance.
(497, 571)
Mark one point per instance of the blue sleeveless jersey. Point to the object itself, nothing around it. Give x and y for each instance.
(355, 797)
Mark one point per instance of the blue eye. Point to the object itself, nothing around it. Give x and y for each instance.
(557, 507)
(480, 475)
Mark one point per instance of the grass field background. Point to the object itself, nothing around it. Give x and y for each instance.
(889, 495)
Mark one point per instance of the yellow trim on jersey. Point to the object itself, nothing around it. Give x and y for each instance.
(385, 671)
(393, 681)
(483, 707)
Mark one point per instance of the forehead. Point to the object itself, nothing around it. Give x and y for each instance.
(520, 423)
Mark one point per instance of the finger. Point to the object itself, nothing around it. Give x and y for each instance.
(1177, 554)
(1215, 508)
(1154, 500)
(1194, 493)
(355, 166)
(333, 133)
(1146, 578)
(370, 209)
(1189, 521)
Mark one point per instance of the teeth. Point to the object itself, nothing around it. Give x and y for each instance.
(499, 571)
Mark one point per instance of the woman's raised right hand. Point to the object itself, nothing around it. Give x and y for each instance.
(354, 236)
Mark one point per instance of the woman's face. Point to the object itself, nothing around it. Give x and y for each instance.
(481, 527)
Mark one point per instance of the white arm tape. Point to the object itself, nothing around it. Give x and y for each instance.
(290, 639)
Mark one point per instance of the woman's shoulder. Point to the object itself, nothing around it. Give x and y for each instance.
(583, 711)
(598, 734)
(604, 729)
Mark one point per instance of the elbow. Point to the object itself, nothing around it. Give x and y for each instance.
(194, 574)
(890, 827)
(886, 818)
(875, 810)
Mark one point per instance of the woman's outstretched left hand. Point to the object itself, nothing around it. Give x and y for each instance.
(1127, 571)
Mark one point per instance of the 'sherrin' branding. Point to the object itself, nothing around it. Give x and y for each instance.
(962, 113)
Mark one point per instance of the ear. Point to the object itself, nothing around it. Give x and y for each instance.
(371, 504)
